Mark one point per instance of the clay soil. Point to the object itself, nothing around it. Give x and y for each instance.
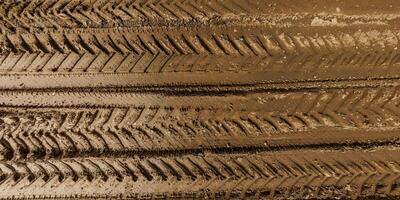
(199, 99)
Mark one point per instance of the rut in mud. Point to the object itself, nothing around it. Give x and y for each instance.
(193, 99)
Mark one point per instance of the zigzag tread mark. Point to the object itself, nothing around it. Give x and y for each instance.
(294, 174)
(56, 132)
(33, 15)
(352, 107)
(85, 13)
(128, 52)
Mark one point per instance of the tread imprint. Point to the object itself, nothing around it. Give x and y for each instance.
(277, 175)
(187, 51)
(46, 132)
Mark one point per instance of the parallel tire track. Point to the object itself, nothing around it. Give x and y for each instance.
(199, 99)
(265, 175)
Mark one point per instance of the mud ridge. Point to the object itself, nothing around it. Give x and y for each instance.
(183, 83)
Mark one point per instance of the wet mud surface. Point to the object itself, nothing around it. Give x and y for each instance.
(192, 99)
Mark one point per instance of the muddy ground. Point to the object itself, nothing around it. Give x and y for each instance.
(196, 99)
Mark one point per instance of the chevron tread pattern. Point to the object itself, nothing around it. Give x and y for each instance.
(199, 99)
(99, 13)
(279, 175)
(90, 37)
(40, 132)
(129, 52)
(36, 15)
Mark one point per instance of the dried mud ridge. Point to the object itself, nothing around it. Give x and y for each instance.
(192, 99)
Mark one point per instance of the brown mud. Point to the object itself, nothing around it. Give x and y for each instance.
(199, 99)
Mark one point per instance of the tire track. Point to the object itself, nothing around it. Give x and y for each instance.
(193, 99)
(266, 175)
(255, 54)
(99, 13)
(362, 116)
(231, 48)
(36, 15)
